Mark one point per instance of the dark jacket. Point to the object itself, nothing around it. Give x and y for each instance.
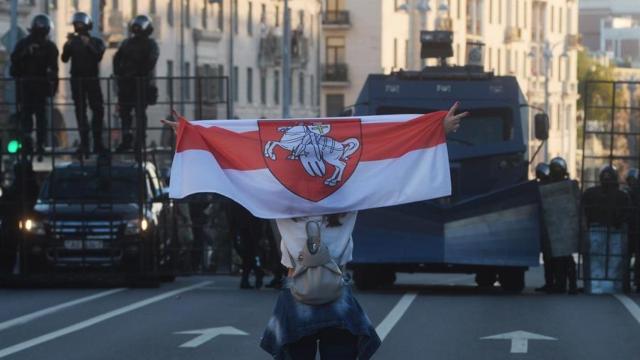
(607, 206)
(85, 59)
(136, 57)
(34, 60)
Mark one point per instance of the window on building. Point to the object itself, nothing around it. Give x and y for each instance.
(235, 16)
(301, 88)
(220, 16)
(335, 50)
(490, 58)
(395, 53)
(235, 83)
(115, 4)
(517, 13)
(313, 91)
(187, 13)
(553, 19)
(499, 11)
(490, 11)
(526, 13)
(75, 5)
(170, 79)
(474, 17)
(249, 85)
(250, 19)
(263, 87)
(170, 12)
(187, 81)
(499, 61)
(263, 13)
(277, 15)
(301, 19)
(335, 104)
(204, 15)
(276, 87)
(134, 8)
(458, 10)
(568, 118)
(560, 20)
(152, 6)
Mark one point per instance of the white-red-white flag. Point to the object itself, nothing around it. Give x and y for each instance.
(300, 167)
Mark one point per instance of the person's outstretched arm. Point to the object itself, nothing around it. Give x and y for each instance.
(451, 121)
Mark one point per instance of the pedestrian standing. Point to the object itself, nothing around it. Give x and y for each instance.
(339, 328)
(246, 231)
(564, 267)
(133, 65)
(34, 65)
(85, 53)
(543, 177)
(633, 189)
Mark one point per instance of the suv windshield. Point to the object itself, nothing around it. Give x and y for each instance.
(116, 184)
(481, 127)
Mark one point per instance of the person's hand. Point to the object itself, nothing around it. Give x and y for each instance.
(172, 124)
(451, 122)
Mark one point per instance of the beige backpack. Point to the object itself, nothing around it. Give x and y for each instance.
(317, 278)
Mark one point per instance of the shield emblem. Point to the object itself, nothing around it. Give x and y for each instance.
(311, 158)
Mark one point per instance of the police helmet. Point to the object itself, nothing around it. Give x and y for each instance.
(633, 177)
(82, 22)
(608, 175)
(141, 25)
(542, 172)
(558, 169)
(41, 25)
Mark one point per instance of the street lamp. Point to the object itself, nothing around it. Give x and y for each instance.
(547, 56)
(422, 8)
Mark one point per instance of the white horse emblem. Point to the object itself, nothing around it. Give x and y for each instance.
(312, 147)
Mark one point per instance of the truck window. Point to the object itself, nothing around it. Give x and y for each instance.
(481, 127)
(120, 185)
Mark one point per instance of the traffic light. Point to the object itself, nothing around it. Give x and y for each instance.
(13, 146)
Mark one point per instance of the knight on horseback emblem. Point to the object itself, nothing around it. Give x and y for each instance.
(311, 145)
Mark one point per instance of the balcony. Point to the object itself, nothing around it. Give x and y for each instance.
(513, 34)
(336, 19)
(335, 75)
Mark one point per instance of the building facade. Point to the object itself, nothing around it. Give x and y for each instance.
(241, 39)
(363, 37)
(594, 12)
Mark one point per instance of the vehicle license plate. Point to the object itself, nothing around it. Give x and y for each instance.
(88, 245)
(73, 244)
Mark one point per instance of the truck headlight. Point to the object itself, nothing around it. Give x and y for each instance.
(136, 226)
(32, 226)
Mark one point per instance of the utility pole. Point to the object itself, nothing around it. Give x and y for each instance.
(286, 62)
(95, 15)
(182, 64)
(232, 79)
(13, 39)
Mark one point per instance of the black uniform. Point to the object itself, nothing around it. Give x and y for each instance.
(85, 53)
(34, 65)
(133, 65)
(634, 230)
(247, 229)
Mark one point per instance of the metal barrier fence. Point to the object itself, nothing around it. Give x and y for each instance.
(610, 136)
(108, 211)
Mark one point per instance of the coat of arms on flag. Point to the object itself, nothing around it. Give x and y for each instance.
(311, 158)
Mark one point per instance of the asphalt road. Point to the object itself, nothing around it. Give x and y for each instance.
(421, 317)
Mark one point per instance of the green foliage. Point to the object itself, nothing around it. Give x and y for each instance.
(598, 94)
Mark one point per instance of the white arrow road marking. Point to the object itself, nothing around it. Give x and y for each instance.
(631, 306)
(519, 340)
(50, 310)
(95, 320)
(384, 328)
(208, 334)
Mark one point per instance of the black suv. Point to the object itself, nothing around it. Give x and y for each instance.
(95, 216)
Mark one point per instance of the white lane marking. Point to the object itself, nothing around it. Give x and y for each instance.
(631, 305)
(394, 315)
(95, 320)
(50, 310)
(208, 334)
(519, 340)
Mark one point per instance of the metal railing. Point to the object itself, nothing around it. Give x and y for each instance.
(336, 17)
(335, 72)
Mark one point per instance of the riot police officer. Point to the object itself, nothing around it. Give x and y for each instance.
(606, 204)
(85, 52)
(633, 189)
(564, 266)
(543, 176)
(34, 65)
(133, 65)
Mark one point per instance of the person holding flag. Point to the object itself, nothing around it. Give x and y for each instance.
(312, 176)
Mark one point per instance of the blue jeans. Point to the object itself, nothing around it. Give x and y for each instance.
(334, 344)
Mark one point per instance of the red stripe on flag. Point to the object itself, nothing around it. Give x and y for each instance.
(380, 141)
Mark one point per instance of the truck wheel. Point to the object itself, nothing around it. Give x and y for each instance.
(486, 278)
(512, 280)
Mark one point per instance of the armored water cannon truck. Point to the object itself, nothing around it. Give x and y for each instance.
(490, 225)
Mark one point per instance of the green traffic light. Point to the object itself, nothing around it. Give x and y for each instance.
(13, 146)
